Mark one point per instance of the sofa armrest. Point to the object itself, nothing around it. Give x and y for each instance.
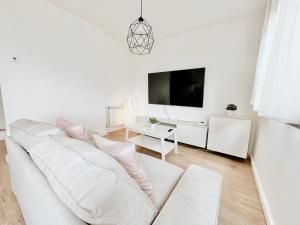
(195, 199)
(37, 201)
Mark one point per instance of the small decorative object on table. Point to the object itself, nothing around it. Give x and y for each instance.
(230, 109)
(153, 121)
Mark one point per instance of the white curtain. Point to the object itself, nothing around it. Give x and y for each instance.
(276, 92)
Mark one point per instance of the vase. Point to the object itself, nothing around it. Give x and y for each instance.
(153, 125)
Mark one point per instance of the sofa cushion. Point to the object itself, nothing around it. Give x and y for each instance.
(62, 123)
(163, 176)
(194, 201)
(26, 132)
(125, 154)
(75, 131)
(91, 183)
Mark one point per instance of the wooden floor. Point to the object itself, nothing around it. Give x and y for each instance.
(240, 204)
(9, 209)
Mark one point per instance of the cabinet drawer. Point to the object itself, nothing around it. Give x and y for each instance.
(192, 135)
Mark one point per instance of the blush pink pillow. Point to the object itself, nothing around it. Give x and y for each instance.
(73, 131)
(77, 132)
(62, 123)
(125, 154)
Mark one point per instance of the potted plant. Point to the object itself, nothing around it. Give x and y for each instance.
(230, 109)
(153, 121)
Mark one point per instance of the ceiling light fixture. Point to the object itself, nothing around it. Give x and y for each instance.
(140, 37)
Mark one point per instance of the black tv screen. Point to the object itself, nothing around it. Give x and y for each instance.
(180, 88)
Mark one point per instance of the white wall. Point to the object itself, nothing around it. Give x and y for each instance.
(61, 69)
(119, 71)
(228, 51)
(63, 62)
(275, 159)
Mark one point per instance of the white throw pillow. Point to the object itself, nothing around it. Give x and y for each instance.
(91, 183)
(26, 132)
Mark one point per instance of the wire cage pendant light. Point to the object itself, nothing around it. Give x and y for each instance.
(140, 37)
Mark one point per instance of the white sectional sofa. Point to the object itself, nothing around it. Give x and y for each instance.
(189, 197)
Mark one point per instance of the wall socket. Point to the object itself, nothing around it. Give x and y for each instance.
(14, 59)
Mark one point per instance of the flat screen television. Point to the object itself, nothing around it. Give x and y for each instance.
(179, 88)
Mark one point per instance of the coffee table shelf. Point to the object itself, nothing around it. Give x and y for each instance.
(152, 143)
(154, 139)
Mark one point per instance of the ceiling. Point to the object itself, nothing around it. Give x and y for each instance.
(167, 17)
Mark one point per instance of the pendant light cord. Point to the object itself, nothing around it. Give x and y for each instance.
(141, 8)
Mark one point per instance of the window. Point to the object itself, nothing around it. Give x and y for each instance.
(276, 92)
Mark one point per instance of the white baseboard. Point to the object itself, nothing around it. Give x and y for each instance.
(262, 195)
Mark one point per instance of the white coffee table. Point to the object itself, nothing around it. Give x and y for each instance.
(154, 138)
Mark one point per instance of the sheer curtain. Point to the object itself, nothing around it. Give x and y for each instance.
(276, 92)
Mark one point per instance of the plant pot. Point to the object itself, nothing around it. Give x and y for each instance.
(230, 113)
(153, 125)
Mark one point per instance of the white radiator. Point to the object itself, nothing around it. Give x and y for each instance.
(115, 116)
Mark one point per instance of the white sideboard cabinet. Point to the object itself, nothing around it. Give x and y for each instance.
(229, 135)
(189, 132)
(192, 134)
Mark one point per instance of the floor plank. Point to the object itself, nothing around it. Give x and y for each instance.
(10, 213)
